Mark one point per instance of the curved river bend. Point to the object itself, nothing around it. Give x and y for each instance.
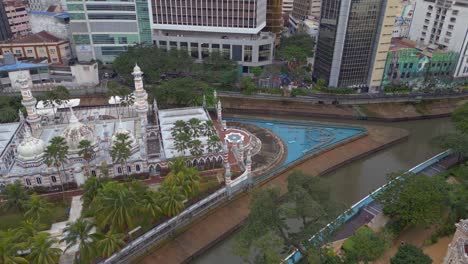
(355, 180)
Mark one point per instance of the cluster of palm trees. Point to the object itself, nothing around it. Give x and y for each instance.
(186, 136)
(26, 243)
(58, 96)
(116, 208)
(56, 154)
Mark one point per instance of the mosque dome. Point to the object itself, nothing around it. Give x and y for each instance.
(76, 132)
(136, 68)
(30, 147)
(122, 130)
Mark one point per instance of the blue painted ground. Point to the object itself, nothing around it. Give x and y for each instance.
(305, 138)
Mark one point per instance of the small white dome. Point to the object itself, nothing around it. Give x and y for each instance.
(76, 132)
(136, 68)
(122, 130)
(30, 147)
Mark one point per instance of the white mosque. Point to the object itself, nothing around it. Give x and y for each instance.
(23, 144)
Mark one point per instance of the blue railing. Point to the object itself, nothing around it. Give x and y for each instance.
(296, 256)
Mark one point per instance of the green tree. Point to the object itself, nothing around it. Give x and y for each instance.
(43, 250)
(409, 254)
(195, 127)
(79, 233)
(296, 49)
(86, 151)
(171, 199)
(307, 202)
(257, 71)
(15, 195)
(124, 94)
(9, 247)
(91, 187)
(460, 119)
(104, 169)
(365, 245)
(56, 156)
(414, 200)
(109, 243)
(196, 148)
(118, 207)
(213, 144)
(120, 151)
(185, 177)
(28, 229)
(265, 249)
(9, 114)
(36, 207)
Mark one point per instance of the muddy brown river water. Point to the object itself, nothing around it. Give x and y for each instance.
(357, 179)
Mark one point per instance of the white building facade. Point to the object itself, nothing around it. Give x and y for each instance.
(443, 23)
(231, 28)
(148, 131)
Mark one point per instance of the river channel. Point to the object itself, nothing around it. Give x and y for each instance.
(356, 180)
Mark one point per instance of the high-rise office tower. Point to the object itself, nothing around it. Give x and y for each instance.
(5, 31)
(304, 9)
(231, 28)
(353, 42)
(274, 18)
(101, 30)
(444, 24)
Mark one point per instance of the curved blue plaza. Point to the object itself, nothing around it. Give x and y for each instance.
(304, 138)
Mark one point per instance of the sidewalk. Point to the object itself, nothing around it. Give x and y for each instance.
(224, 220)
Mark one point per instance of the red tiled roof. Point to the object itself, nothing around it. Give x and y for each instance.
(40, 37)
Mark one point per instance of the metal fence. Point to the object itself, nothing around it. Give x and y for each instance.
(352, 99)
(296, 256)
(168, 228)
(238, 185)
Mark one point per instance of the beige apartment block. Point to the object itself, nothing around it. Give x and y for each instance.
(42, 45)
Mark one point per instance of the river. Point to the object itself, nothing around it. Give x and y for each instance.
(356, 180)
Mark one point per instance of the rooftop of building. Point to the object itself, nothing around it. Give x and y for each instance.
(403, 43)
(62, 15)
(21, 66)
(167, 119)
(40, 37)
(7, 131)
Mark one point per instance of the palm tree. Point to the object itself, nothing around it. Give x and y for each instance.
(109, 243)
(196, 148)
(79, 232)
(181, 142)
(9, 247)
(179, 127)
(171, 199)
(118, 207)
(86, 151)
(49, 100)
(149, 199)
(183, 176)
(42, 250)
(28, 229)
(56, 156)
(15, 196)
(36, 207)
(207, 128)
(213, 144)
(91, 187)
(195, 127)
(120, 151)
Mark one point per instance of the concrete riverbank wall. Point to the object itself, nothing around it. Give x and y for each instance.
(221, 222)
(390, 112)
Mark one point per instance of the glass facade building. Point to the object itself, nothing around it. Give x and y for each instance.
(348, 39)
(5, 31)
(101, 30)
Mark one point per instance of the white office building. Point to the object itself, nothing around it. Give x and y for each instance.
(231, 28)
(443, 23)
